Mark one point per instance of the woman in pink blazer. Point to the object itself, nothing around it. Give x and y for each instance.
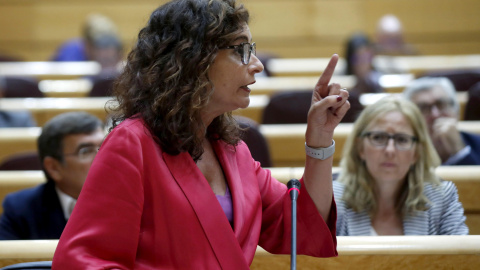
(173, 186)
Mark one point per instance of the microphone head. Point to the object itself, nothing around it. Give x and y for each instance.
(294, 183)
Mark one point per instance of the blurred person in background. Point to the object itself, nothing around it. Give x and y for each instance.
(389, 37)
(100, 42)
(359, 57)
(436, 98)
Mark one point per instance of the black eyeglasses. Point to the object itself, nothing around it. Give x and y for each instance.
(85, 153)
(380, 139)
(441, 104)
(245, 50)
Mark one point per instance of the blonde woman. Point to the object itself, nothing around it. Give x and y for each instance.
(387, 185)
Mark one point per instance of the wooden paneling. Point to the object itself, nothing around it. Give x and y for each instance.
(288, 28)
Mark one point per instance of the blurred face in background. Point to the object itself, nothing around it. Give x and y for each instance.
(434, 103)
(362, 61)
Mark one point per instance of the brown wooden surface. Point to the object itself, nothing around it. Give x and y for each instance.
(288, 28)
(363, 252)
(466, 179)
(286, 142)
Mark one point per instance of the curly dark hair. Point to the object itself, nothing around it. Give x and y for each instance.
(165, 80)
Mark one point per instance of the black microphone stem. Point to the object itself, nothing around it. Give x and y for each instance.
(294, 190)
(293, 254)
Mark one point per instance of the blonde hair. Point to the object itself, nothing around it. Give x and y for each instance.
(359, 186)
(97, 25)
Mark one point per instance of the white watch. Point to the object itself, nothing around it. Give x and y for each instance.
(320, 153)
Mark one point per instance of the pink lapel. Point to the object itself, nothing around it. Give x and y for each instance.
(209, 212)
(226, 157)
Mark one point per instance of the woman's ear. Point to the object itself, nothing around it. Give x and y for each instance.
(53, 168)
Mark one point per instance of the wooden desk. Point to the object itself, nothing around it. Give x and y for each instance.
(286, 142)
(355, 252)
(65, 88)
(43, 109)
(392, 83)
(419, 64)
(385, 64)
(258, 102)
(466, 178)
(52, 70)
(386, 252)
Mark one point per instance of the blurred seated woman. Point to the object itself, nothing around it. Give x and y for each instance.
(387, 184)
(359, 56)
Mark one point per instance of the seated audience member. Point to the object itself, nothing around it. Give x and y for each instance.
(387, 184)
(67, 145)
(14, 118)
(390, 38)
(436, 99)
(359, 57)
(100, 42)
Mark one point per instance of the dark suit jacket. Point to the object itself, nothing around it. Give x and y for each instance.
(33, 213)
(474, 157)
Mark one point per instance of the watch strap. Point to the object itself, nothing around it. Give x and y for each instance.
(320, 153)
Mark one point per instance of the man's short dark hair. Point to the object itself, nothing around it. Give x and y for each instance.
(50, 141)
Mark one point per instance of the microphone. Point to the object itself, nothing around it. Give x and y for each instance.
(294, 190)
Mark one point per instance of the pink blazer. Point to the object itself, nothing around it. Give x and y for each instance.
(141, 208)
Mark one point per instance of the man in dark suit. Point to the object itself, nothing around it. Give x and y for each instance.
(67, 145)
(436, 99)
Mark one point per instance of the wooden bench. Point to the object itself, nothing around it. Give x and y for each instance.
(43, 109)
(466, 178)
(355, 252)
(386, 64)
(80, 87)
(392, 83)
(286, 142)
(386, 252)
(52, 70)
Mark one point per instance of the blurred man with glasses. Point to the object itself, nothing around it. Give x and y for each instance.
(66, 147)
(436, 99)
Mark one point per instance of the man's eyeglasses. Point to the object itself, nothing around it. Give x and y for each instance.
(380, 139)
(441, 104)
(85, 153)
(245, 50)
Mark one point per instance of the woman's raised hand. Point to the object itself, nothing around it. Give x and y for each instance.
(328, 107)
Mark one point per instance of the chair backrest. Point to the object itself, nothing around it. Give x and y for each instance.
(40, 265)
(23, 161)
(18, 87)
(461, 79)
(292, 108)
(472, 108)
(254, 139)
(289, 107)
(102, 86)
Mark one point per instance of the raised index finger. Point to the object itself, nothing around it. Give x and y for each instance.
(322, 85)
